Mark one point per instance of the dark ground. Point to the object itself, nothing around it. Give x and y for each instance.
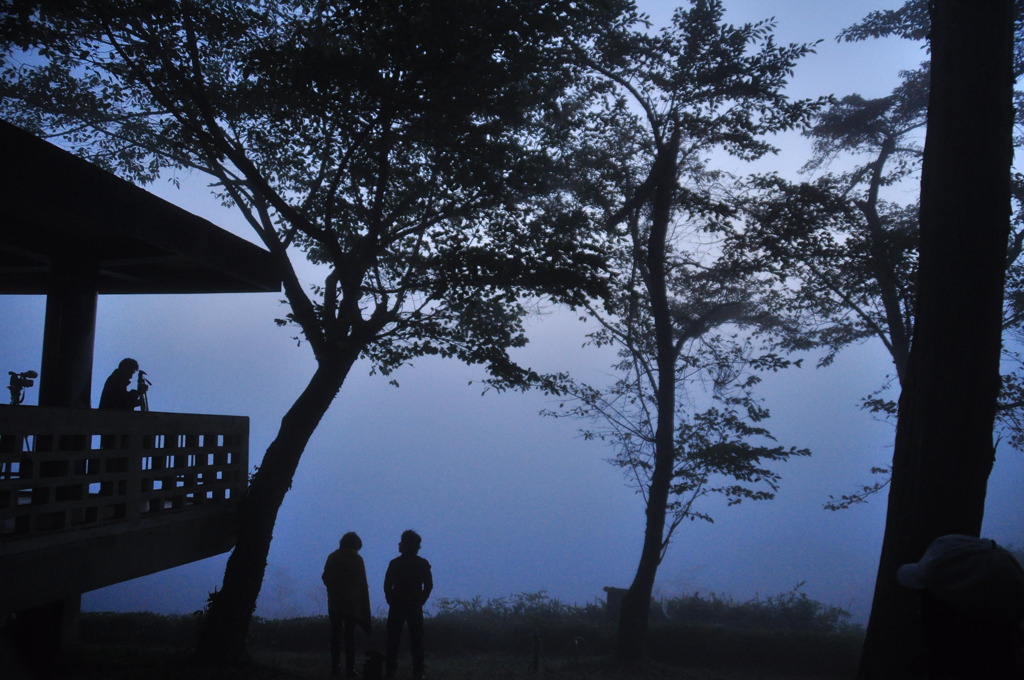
(125, 663)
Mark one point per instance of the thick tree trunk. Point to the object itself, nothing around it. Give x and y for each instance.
(944, 452)
(631, 637)
(226, 623)
(636, 605)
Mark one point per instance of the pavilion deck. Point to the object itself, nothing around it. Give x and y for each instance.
(89, 498)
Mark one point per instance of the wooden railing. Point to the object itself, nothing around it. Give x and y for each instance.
(63, 470)
(90, 498)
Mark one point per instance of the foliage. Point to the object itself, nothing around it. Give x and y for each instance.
(846, 253)
(678, 314)
(720, 450)
(864, 493)
(844, 244)
(137, 629)
(398, 158)
(910, 21)
(516, 625)
(525, 606)
(401, 146)
(791, 612)
(660, 104)
(786, 632)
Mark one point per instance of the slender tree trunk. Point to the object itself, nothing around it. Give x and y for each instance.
(226, 624)
(884, 269)
(944, 453)
(636, 604)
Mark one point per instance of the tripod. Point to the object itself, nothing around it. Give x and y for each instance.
(16, 386)
(143, 390)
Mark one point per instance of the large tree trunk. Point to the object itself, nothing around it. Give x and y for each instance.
(636, 605)
(631, 636)
(226, 623)
(944, 452)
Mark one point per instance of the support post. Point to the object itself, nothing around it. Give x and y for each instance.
(69, 335)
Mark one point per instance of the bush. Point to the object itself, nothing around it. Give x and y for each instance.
(783, 633)
(300, 634)
(137, 629)
(515, 625)
(788, 632)
(792, 612)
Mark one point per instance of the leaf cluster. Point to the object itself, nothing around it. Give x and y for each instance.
(911, 21)
(844, 244)
(846, 267)
(402, 146)
(661, 103)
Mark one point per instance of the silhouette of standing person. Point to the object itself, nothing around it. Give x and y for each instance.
(116, 394)
(407, 585)
(348, 600)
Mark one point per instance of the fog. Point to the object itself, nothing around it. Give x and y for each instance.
(508, 501)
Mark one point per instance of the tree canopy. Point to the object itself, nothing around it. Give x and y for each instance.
(402, 147)
(379, 138)
(845, 242)
(678, 313)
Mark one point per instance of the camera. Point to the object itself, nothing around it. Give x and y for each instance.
(19, 381)
(22, 380)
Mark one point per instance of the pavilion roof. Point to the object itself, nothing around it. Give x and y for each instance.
(57, 206)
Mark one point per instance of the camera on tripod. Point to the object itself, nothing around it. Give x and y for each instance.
(18, 383)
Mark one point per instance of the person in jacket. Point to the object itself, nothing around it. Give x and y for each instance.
(348, 600)
(407, 585)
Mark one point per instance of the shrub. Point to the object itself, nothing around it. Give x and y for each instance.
(299, 634)
(515, 625)
(138, 629)
(784, 633)
(789, 632)
(792, 612)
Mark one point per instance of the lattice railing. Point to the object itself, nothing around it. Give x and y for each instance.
(65, 469)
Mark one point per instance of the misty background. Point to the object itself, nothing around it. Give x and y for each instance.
(508, 501)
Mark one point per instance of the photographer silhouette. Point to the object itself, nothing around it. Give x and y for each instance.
(116, 394)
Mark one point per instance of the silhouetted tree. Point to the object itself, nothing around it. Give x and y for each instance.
(845, 243)
(912, 21)
(400, 145)
(944, 452)
(663, 102)
(843, 251)
(856, 256)
(846, 250)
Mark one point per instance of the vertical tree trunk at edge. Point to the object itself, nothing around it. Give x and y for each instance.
(226, 623)
(943, 452)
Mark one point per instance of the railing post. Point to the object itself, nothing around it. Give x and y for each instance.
(133, 493)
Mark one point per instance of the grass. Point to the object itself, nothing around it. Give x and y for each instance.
(699, 637)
